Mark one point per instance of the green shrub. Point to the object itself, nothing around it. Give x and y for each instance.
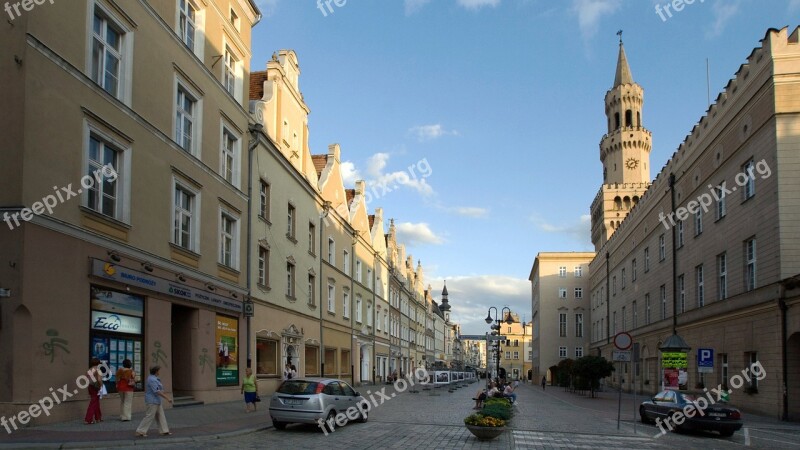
(497, 411)
(497, 401)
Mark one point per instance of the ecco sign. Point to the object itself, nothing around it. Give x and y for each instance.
(105, 321)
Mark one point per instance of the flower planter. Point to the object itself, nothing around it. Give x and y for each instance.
(485, 433)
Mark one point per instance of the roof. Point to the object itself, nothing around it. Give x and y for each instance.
(623, 75)
(257, 80)
(320, 161)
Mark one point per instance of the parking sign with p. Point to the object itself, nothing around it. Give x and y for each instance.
(705, 360)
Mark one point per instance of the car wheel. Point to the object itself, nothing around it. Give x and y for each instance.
(330, 420)
(642, 415)
(363, 418)
(279, 425)
(726, 433)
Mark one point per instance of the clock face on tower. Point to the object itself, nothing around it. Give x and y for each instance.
(631, 163)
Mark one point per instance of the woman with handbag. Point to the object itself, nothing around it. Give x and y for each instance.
(93, 414)
(126, 382)
(250, 390)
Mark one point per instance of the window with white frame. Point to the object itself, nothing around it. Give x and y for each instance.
(331, 298)
(578, 292)
(750, 264)
(290, 279)
(184, 229)
(646, 259)
(263, 266)
(721, 208)
(579, 325)
(623, 278)
(635, 315)
(346, 304)
(614, 322)
(698, 222)
(187, 23)
(104, 163)
(291, 221)
(579, 352)
(229, 71)
(699, 279)
(562, 292)
(234, 19)
(633, 270)
(662, 249)
(228, 240)
(647, 309)
(312, 238)
(722, 276)
(515, 355)
(229, 158)
(562, 271)
(331, 252)
(312, 283)
(186, 109)
(346, 263)
(562, 352)
(369, 314)
(107, 46)
(378, 321)
(663, 292)
(578, 271)
(358, 270)
(681, 293)
(749, 187)
(624, 320)
(369, 278)
(359, 317)
(614, 285)
(562, 324)
(680, 234)
(263, 199)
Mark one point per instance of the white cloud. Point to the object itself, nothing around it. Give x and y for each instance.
(413, 6)
(267, 7)
(590, 12)
(429, 132)
(471, 296)
(386, 182)
(469, 211)
(349, 173)
(723, 11)
(580, 231)
(413, 234)
(477, 4)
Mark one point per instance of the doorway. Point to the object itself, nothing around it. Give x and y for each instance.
(184, 328)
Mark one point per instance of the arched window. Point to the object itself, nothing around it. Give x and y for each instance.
(627, 201)
(617, 203)
(616, 120)
(628, 118)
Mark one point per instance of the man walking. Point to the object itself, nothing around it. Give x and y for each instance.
(544, 382)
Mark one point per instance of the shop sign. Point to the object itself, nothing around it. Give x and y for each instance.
(674, 360)
(116, 323)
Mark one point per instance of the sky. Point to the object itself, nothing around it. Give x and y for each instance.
(482, 118)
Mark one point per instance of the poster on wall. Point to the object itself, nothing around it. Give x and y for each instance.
(227, 355)
(442, 377)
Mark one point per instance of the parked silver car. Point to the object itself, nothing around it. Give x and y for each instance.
(307, 400)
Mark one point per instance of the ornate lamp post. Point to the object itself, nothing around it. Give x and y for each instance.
(505, 312)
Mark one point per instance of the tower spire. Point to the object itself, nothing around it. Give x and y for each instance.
(623, 75)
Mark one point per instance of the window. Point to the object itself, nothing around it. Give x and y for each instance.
(263, 199)
(369, 314)
(331, 252)
(229, 240)
(679, 244)
(662, 249)
(562, 271)
(698, 222)
(646, 259)
(185, 109)
(291, 216)
(266, 357)
(234, 19)
(579, 352)
(663, 291)
(562, 292)
(345, 361)
(311, 358)
(722, 276)
(230, 157)
(516, 355)
(358, 270)
(187, 23)
(562, 352)
(346, 263)
(749, 188)
(312, 283)
(624, 323)
(562, 324)
(378, 320)
(635, 315)
(750, 265)
(346, 304)
(385, 321)
(290, 280)
(723, 358)
(614, 322)
(331, 298)
(633, 270)
(647, 309)
(229, 74)
(623, 278)
(614, 285)
(698, 275)
(312, 238)
(578, 292)
(681, 293)
(369, 278)
(578, 325)
(752, 360)
(359, 317)
(106, 69)
(184, 234)
(721, 210)
(263, 266)
(508, 355)
(103, 196)
(578, 271)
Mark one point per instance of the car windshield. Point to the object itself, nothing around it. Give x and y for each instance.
(298, 387)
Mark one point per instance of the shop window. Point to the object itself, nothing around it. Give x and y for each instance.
(345, 362)
(267, 357)
(311, 358)
(116, 332)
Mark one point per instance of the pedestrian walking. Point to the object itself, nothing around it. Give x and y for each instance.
(153, 394)
(93, 413)
(293, 370)
(287, 372)
(126, 381)
(249, 389)
(544, 382)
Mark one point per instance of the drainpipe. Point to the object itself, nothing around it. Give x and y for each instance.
(326, 205)
(674, 261)
(608, 299)
(255, 130)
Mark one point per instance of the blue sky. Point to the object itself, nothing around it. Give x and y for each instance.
(498, 107)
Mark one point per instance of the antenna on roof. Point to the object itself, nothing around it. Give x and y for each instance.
(708, 83)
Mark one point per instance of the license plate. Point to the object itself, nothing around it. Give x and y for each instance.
(713, 414)
(293, 401)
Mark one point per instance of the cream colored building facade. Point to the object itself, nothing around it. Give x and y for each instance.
(117, 268)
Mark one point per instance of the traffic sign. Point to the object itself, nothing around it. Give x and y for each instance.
(623, 341)
(705, 360)
(621, 356)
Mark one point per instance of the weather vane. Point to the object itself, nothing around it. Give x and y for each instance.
(619, 33)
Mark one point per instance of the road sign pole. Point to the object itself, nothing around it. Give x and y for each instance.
(619, 403)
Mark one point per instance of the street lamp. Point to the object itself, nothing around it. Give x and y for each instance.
(505, 312)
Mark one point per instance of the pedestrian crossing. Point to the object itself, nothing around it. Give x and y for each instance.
(537, 440)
